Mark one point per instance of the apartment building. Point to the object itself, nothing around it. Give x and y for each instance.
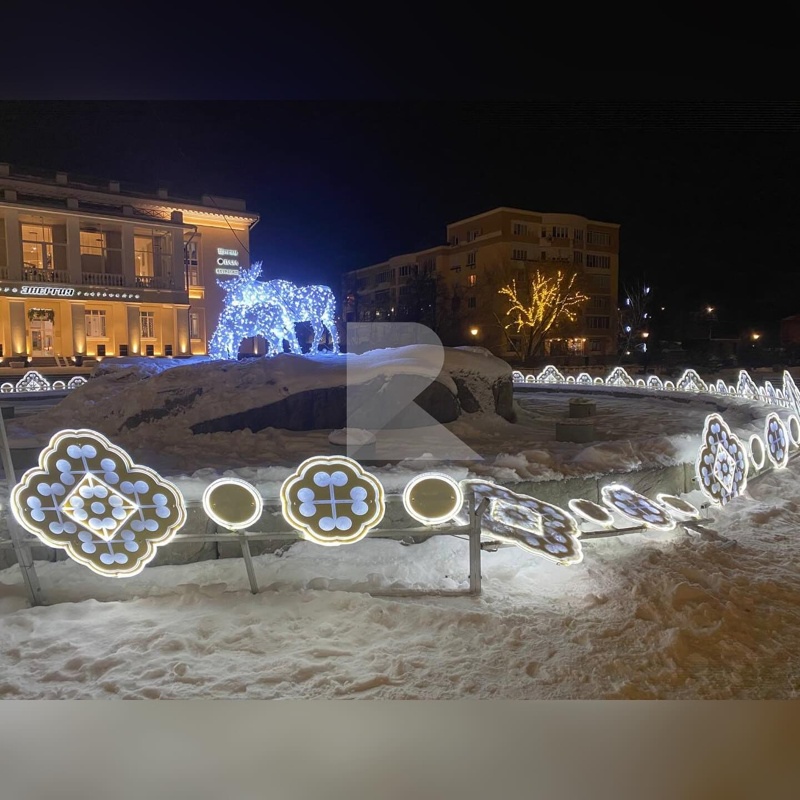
(100, 270)
(454, 287)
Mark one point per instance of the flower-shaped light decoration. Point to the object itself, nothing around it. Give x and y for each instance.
(540, 528)
(770, 393)
(33, 381)
(721, 465)
(654, 382)
(331, 500)
(790, 392)
(690, 381)
(777, 438)
(87, 497)
(619, 377)
(550, 375)
(584, 379)
(722, 387)
(517, 376)
(74, 383)
(636, 507)
(745, 387)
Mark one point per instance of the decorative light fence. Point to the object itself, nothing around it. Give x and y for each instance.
(33, 381)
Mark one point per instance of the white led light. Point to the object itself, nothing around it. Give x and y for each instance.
(232, 503)
(776, 438)
(619, 377)
(678, 507)
(757, 452)
(636, 507)
(793, 423)
(722, 464)
(591, 512)
(550, 374)
(432, 498)
(88, 498)
(690, 381)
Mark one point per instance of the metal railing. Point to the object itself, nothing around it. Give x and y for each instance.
(37, 275)
(102, 279)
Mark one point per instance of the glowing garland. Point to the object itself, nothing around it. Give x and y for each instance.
(721, 465)
(777, 439)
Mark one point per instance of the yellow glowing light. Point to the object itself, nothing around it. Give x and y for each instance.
(432, 498)
(232, 503)
(473, 331)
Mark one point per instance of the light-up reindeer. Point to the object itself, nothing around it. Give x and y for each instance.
(313, 304)
(249, 312)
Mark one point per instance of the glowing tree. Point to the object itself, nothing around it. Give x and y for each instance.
(271, 310)
(545, 301)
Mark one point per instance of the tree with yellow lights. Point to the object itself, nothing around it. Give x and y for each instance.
(545, 301)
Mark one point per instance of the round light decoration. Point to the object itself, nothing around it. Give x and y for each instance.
(678, 507)
(432, 498)
(757, 452)
(591, 512)
(232, 503)
(793, 423)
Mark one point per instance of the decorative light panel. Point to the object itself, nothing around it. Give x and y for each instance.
(758, 453)
(232, 503)
(678, 507)
(432, 498)
(533, 525)
(591, 512)
(88, 498)
(331, 500)
(721, 465)
(777, 440)
(636, 507)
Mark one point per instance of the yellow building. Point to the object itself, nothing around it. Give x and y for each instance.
(90, 270)
(482, 254)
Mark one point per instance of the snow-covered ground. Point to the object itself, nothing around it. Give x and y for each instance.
(656, 615)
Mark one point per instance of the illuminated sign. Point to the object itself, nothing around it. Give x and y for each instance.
(49, 291)
(227, 258)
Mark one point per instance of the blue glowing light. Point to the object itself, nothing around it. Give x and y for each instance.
(271, 309)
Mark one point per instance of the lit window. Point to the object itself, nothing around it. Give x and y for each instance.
(472, 280)
(147, 323)
(95, 323)
(194, 325)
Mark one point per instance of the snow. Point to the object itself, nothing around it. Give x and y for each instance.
(655, 615)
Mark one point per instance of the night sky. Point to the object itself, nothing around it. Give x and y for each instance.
(706, 193)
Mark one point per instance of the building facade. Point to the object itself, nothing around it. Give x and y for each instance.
(89, 270)
(455, 287)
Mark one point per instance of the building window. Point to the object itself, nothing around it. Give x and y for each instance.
(44, 248)
(594, 237)
(519, 255)
(152, 254)
(101, 255)
(598, 323)
(472, 280)
(598, 262)
(600, 283)
(595, 345)
(599, 302)
(544, 255)
(408, 270)
(195, 331)
(474, 234)
(578, 235)
(560, 232)
(578, 256)
(471, 259)
(147, 324)
(456, 268)
(3, 251)
(95, 323)
(191, 258)
(519, 229)
(472, 302)
(386, 276)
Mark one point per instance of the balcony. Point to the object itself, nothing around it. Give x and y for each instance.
(39, 275)
(153, 282)
(102, 279)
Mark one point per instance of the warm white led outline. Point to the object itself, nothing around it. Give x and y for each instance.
(367, 524)
(578, 506)
(778, 463)
(459, 502)
(232, 526)
(605, 493)
(151, 544)
(793, 426)
(699, 458)
(681, 508)
(757, 462)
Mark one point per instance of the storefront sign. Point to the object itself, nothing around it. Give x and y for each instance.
(227, 261)
(48, 291)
